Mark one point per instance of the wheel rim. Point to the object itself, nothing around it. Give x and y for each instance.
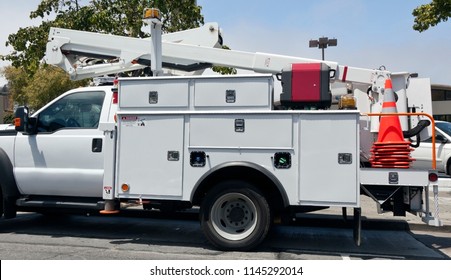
(234, 216)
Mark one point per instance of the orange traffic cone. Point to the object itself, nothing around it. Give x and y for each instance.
(389, 126)
(390, 150)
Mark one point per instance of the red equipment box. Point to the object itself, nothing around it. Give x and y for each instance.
(306, 85)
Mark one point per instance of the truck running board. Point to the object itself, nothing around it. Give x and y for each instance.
(43, 202)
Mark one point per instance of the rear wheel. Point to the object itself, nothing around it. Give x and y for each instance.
(235, 216)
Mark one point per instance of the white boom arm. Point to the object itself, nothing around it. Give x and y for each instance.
(74, 50)
(188, 50)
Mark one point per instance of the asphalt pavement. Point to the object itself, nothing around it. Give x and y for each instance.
(155, 235)
(433, 230)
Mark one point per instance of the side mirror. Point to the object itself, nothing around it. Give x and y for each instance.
(23, 122)
(21, 119)
(441, 139)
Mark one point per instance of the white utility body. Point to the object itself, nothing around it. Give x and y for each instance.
(192, 116)
(224, 143)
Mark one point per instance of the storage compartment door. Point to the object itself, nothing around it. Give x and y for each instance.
(150, 155)
(329, 159)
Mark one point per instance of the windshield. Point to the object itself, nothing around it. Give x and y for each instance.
(445, 127)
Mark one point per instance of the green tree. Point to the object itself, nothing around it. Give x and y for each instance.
(429, 15)
(17, 82)
(35, 91)
(47, 84)
(8, 118)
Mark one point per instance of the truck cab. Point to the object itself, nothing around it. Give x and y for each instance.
(59, 154)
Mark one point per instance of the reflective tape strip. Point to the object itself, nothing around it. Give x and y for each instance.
(389, 107)
(389, 96)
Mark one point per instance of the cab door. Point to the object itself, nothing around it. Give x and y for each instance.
(64, 157)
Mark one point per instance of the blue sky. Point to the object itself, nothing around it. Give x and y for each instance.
(369, 33)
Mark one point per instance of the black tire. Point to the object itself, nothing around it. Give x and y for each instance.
(9, 190)
(235, 216)
(1, 202)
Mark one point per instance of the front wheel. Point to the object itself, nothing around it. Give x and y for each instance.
(235, 216)
(1, 202)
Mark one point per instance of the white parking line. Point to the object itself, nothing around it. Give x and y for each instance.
(444, 184)
(345, 257)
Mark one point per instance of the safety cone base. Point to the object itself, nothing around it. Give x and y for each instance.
(406, 160)
(392, 151)
(390, 166)
(109, 212)
(394, 144)
(388, 153)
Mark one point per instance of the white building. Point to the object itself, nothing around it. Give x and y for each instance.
(441, 102)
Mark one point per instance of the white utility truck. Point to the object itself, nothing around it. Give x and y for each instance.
(226, 144)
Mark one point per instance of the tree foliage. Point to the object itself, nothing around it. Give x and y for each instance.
(431, 14)
(17, 81)
(47, 84)
(35, 91)
(8, 118)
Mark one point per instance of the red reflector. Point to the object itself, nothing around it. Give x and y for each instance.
(433, 177)
(115, 97)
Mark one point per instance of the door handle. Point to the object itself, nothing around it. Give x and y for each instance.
(97, 145)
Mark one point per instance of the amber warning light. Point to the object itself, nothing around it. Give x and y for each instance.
(151, 13)
(125, 187)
